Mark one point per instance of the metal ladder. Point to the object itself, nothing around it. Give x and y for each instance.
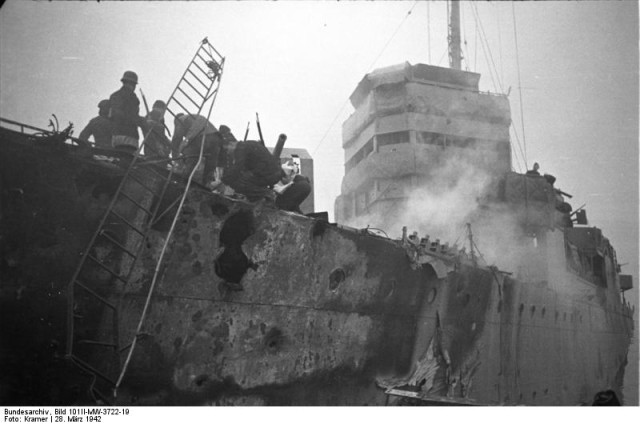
(192, 93)
(123, 234)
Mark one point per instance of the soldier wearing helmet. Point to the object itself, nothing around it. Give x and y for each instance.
(125, 114)
(156, 145)
(100, 127)
(190, 132)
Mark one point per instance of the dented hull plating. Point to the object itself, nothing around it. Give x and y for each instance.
(327, 315)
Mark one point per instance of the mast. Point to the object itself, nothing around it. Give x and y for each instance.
(455, 53)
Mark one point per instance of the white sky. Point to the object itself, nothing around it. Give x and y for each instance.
(296, 63)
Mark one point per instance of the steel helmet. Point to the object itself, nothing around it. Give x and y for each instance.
(104, 104)
(130, 76)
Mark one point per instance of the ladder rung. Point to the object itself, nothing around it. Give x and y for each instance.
(194, 89)
(196, 77)
(95, 342)
(206, 62)
(92, 369)
(168, 208)
(152, 169)
(172, 113)
(117, 243)
(96, 295)
(139, 181)
(106, 268)
(214, 49)
(189, 97)
(133, 227)
(201, 70)
(148, 212)
(205, 51)
(182, 106)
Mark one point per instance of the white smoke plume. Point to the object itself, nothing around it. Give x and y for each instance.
(450, 197)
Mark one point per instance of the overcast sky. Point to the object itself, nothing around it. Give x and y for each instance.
(296, 63)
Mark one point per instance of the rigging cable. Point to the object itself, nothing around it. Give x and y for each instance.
(515, 133)
(475, 46)
(500, 46)
(515, 34)
(370, 67)
(487, 51)
(464, 37)
(428, 32)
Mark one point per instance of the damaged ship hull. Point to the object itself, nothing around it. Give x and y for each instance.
(326, 315)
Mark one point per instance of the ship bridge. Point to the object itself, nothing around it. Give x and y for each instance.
(409, 122)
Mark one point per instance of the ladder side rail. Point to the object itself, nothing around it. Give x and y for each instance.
(213, 90)
(85, 254)
(125, 279)
(214, 49)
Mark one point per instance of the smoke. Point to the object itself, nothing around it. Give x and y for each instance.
(452, 194)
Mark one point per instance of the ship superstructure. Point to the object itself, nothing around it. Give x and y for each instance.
(409, 121)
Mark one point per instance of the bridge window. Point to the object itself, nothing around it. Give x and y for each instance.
(392, 138)
(360, 155)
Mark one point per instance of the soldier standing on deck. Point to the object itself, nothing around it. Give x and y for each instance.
(125, 114)
(100, 127)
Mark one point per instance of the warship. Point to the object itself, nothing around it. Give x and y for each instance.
(116, 270)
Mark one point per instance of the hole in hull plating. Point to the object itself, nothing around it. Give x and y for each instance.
(387, 288)
(232, 264)
(219, 210)
(432, 295)
(273, 340)
(336, 277)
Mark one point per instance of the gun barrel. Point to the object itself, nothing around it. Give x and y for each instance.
(277, 151)
(259, 129)
(565, 194)
(246, 133)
